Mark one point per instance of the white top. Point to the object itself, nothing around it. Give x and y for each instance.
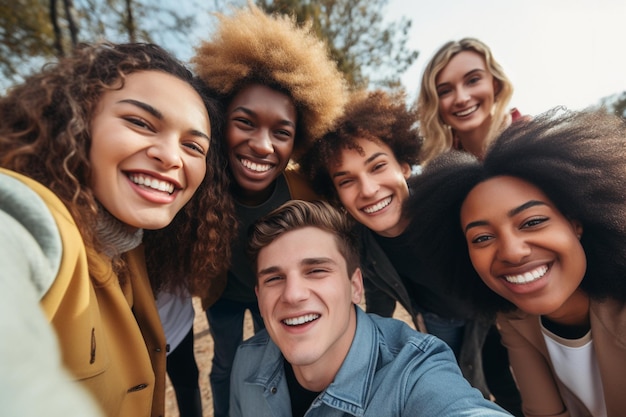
(576, 367)
(177, 314)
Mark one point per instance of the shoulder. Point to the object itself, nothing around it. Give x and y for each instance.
(611, 313)
(249, 352)
(257, 357)
(397, 336)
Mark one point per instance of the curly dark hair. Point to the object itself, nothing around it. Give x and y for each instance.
(577, 158)
(45, 135)
(378, 116)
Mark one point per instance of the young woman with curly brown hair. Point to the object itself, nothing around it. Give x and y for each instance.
(94, 149)
(363, 164)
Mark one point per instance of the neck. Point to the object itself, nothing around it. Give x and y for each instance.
(321, 373)
(474, 141)
(574, 312)
(115, 236)
(253, 198)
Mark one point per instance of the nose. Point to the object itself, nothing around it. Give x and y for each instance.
(513, 249)
(369, 187)
(295, 290)
(461, 96)
(167, 151)
(261, 143)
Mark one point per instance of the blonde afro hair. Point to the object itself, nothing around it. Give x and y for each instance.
(253, 47)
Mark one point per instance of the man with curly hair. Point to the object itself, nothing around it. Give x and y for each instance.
(280, 91)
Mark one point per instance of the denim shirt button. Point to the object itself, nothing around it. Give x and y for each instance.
(273, 390)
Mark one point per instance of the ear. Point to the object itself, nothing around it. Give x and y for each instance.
(497, 87)
(406, 170)
(578, 228)
(356, 282)
(256, 291)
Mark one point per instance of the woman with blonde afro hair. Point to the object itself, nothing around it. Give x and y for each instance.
(280, 92)
(252, 47)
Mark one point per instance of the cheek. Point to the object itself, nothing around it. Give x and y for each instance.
(347, 198)
(233, 137)
(481, 261)
(196, 171)
(578, 260)
(284, 149)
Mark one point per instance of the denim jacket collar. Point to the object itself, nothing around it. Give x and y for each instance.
(350, 389)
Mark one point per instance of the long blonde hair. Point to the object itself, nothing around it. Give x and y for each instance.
(438, 137)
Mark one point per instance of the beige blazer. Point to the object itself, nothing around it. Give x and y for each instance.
(540, 389)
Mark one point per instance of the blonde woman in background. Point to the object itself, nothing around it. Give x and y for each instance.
(463, 100)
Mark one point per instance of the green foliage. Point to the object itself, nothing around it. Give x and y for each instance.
(358, 38)
(25, 31)
(27, 36)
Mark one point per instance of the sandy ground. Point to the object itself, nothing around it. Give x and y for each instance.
(204, 355)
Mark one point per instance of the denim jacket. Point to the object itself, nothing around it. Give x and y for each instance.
(390, 370)
(383, 287)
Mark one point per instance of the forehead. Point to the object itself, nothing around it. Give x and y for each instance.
(297, 245)
(460, 64)
(175, 98)
(358, 154)
(500, 194)
(254, 95)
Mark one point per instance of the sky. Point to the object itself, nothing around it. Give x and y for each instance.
(556, 52)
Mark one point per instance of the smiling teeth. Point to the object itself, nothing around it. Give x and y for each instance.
(528, 276)
(153, 183)
(466, 112)
(255, 167)
(378, 206)
(295, 321)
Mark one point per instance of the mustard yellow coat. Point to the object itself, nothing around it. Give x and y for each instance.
(110, 335)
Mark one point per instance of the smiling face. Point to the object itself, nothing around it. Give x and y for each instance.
(523, 248)
(260, 133)
(306, 298)
(466, 90)
(149, 142)
(372, 186)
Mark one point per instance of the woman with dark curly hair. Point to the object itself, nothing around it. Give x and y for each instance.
(363, 165)
(536, 233)
(280, 91)
(94, 149)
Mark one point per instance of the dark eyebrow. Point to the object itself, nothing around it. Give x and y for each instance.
(367, 161)
(144, 106)
(317, 261)
(268, 270)
(148, 108)
(511, 213)
(252, 114)
(306, 262)
(527, 205)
